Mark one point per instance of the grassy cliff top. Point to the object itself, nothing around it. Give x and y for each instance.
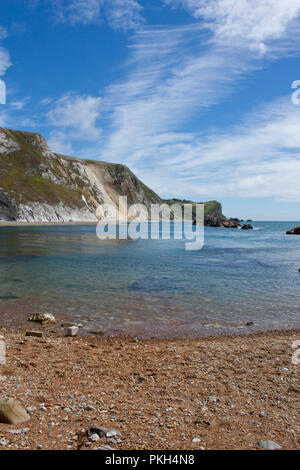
(210, 207)
(29, 171)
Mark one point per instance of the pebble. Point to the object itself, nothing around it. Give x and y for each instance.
(212, 399)
(72, 331)
(37, 334)
(18, 431)
(104, 448)
(268, 445)
(31, 409)
(111, 441)
(103, 432)
(196, 439)
(94, 437)
(90, 408)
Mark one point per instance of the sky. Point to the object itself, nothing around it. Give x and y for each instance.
(195, 96)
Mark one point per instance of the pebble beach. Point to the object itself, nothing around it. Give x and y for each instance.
(233, 392)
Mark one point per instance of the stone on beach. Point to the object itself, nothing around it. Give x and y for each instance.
(268, 445)
(94, 437)
(72, 331)
(2, 350)
(102, 432)
(12, 412)
(37, 334)
(42, 318)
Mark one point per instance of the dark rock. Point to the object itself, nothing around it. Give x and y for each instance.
(294, 231)
(102, 432)
(249, 323)
(37, 334)
(230, 223)
(247, 227)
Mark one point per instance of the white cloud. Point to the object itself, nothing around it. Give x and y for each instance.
(5, 62)
(18, 105)
(120, 14)
(77, 114)
(260, 158)
(74, 118)
(251, 23)
(59, 142)
(123, 14)
(168, 84)
(176, 74)
(77, 11)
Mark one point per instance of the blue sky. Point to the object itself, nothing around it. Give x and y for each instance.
(193, 95)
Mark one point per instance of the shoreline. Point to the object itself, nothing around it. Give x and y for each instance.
(224, 392)
(43, 224)
(18, 322)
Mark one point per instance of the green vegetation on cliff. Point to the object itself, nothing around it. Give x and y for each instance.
(211, 208)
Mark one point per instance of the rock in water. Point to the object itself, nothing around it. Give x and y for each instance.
(247, 227)
(268, 445)
(42, 318)
(12, 412)
(294, 231)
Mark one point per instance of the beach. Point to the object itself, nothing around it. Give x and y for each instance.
(211, 393)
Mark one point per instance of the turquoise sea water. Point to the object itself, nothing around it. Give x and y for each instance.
(153, 287)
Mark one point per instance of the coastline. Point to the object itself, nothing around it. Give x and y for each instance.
(215, 392)
(42, 224)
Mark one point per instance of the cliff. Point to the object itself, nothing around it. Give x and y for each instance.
(213, 215)
(37, 185)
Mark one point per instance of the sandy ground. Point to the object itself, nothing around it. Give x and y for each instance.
(227, 392)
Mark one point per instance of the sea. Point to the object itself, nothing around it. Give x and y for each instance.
(239, 282)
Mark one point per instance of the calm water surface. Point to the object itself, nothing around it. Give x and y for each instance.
(153, 287)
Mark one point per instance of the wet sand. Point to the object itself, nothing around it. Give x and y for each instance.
(227, 392)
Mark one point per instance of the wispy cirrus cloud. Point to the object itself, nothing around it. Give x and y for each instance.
(120, 14)
(171, 79)
(176, 74)
(258, 158)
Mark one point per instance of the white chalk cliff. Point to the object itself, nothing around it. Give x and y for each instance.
(37, 185)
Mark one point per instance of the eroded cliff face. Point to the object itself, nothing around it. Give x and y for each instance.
(37, 185)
